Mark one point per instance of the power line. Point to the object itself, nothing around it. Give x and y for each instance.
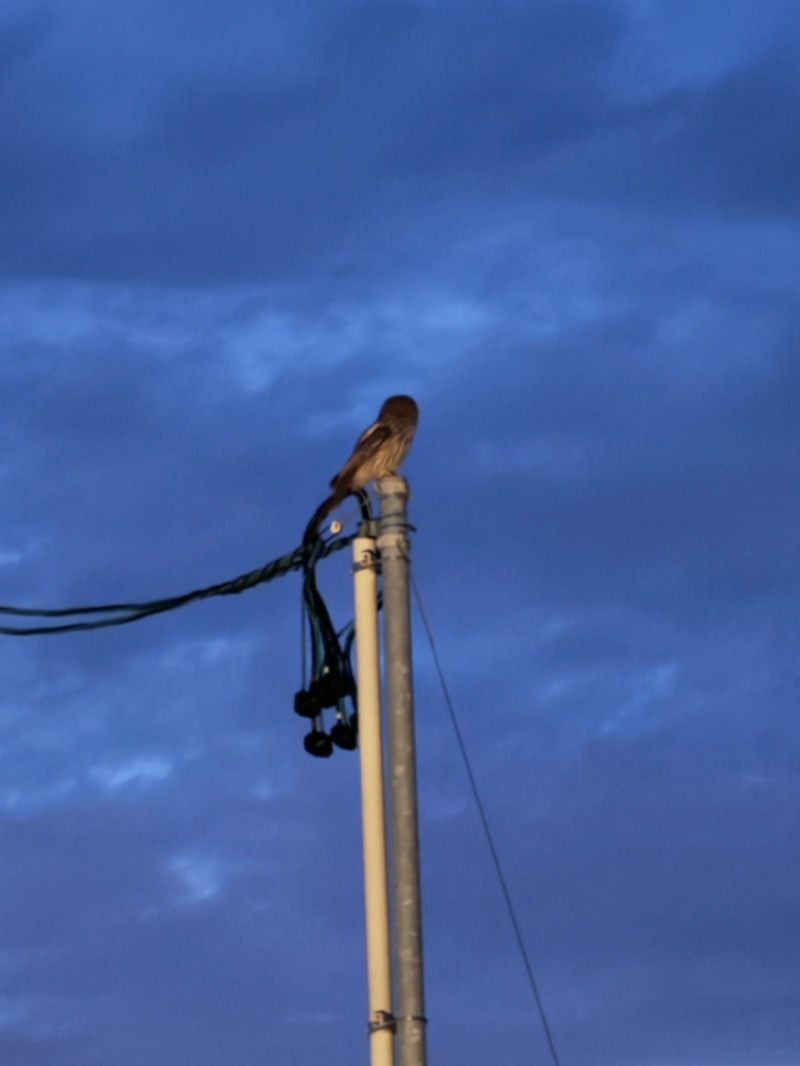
(487, 831)
(123, 613)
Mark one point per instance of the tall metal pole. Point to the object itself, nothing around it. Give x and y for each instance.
(394, 548)
(379, 965)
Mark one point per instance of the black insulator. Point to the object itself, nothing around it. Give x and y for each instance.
(328, 689)
(318, 744)
(306, 704)
(344, 735)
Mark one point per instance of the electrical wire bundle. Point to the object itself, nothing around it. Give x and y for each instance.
(123, 613)
(331, 683)
(332, 676)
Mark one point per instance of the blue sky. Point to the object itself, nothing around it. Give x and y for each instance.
(572, 232)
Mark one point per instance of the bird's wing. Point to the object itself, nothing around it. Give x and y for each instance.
(372, 437)
(367, 444)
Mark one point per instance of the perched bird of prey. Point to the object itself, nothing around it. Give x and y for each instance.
(378, 452)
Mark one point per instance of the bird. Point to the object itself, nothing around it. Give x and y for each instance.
(378, 452)
(380, 449)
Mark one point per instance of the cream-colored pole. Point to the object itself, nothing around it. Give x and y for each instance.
(376, 893)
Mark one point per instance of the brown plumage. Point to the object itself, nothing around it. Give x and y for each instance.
(378, 452)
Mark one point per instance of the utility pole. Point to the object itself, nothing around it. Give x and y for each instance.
(394, 548)
(373, 816)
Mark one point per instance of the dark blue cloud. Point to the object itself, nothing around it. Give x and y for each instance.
(236, 173)
(727, 148)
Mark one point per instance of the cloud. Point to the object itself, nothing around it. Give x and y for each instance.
(724, 150)
(395, 106)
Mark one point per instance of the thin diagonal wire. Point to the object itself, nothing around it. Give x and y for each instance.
(486, 829)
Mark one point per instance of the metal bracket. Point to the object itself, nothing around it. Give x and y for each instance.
(372, 561)
(382, 1020)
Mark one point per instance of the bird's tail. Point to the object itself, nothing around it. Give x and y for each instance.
(340, 493)
(319, 516)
